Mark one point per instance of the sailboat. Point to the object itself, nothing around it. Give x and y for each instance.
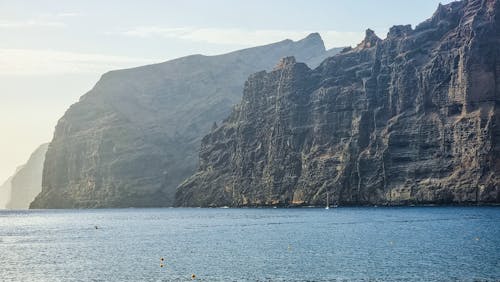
(327, 201)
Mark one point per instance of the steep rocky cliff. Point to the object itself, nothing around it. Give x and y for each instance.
(413, 118)
(26, 183)
(5, 193)
(135, 136)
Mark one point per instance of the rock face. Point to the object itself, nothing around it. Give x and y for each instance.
(135, 136)
(26, 183)
(5, 189)
(410, 119)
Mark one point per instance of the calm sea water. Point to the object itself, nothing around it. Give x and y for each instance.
(427, 244)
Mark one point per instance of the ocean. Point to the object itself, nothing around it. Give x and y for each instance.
(303, 244)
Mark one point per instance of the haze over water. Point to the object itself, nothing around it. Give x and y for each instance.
(415, 243)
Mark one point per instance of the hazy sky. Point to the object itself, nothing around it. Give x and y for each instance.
(52, 52)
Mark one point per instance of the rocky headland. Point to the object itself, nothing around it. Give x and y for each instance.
(410, 119)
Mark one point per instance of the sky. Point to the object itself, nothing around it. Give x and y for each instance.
(53, 51)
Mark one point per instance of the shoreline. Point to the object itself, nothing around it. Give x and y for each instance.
(280, 207)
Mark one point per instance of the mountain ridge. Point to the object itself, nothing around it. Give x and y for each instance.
(134, 137)
(411, 119)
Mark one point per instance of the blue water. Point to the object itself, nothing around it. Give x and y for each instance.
(358, 244)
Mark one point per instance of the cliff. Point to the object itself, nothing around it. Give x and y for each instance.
(135, 136)
(411, 119)
(22, 187)
(26, 183)
(6, 188)
(5, 193)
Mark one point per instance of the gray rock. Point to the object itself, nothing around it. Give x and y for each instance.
(412, 119)
(135, 136)
(26, 183)
(5, 189)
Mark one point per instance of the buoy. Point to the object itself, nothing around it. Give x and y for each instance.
(162, 259)
(161, 264)
(193, 276)
(96, 227)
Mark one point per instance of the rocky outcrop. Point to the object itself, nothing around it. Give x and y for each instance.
(5, 189)
(22, 187)
(411, 119)
(135, 136)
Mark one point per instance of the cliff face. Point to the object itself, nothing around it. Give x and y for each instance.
(26, 183)
(5, 193)
(410, 119)
(135, 136)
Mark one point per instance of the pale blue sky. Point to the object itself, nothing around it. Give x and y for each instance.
(51, 51)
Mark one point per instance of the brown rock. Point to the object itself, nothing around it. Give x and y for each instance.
(410, 119)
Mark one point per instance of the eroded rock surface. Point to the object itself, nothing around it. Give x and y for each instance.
(410, 119)
(135, 136)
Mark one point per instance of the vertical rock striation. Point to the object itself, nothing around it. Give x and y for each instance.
(413, 118)
(135, 136)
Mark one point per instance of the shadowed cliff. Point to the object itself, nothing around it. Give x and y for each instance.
(135, 136)
(409, 119)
